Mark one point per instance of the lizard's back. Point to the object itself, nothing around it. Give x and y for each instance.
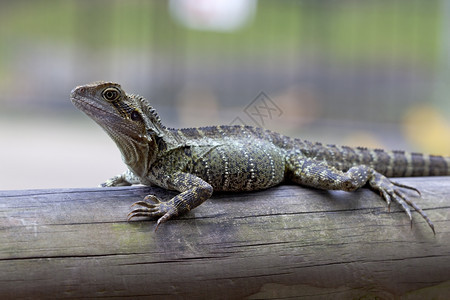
(250, 158)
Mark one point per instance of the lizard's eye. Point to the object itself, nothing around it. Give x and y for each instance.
(111, 94)
(135, 116)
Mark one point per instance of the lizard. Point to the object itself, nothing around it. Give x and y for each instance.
(199, 161)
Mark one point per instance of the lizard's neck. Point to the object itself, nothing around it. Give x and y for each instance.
(138, 153)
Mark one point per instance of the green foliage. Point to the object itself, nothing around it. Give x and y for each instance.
(345, 29)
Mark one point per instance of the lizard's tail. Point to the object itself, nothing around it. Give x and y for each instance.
(404, 164)
(388, 163)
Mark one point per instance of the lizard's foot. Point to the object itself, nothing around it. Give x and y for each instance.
(391, 192)
(117, 180)
(151, 206)
(124, 179)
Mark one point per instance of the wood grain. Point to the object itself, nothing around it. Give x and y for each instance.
(285, 242)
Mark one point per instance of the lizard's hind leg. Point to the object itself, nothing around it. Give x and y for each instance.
(319, 174)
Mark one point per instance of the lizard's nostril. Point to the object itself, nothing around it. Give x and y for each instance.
(78, 90)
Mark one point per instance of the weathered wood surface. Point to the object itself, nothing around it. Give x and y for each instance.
(285, 242)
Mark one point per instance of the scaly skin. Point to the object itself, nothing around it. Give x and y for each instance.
(198, 161)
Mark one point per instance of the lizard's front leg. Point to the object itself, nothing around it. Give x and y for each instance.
(194, 191)
(319, 174)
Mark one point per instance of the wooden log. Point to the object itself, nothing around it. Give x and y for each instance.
(284, 242)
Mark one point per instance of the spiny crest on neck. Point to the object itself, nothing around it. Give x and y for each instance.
(148, 110)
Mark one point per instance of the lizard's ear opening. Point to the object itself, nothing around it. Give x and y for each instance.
(156, 138)
(136, 116)
(111, 94)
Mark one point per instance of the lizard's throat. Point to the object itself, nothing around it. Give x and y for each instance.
(135, 153)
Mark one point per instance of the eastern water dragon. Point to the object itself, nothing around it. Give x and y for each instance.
(197, 161)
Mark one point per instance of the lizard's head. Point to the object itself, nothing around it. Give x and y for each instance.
(128, 119)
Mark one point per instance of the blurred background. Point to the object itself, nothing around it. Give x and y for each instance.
(372, 73)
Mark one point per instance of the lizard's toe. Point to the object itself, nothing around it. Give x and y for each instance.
(165, 218)
(391, 192)
(107, 183)
(143, 212)
(399, 197)
(150, 207)
(152, 198)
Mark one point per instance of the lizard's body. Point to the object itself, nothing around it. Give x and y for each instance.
(198, 161)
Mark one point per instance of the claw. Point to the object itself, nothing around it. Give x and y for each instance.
(387, 198)
(132, 215)
(400, 200)
(151, 207)
(422, 213)
(146, 209)
(158, 223)
(406, 187)
(144, 212)
(389, 190)
(163, 219)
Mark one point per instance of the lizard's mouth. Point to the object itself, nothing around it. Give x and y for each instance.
(95, 111)
(90, 108)
(103, 115)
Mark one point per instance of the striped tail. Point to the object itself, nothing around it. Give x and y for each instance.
(404, 164)
(388, 163)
